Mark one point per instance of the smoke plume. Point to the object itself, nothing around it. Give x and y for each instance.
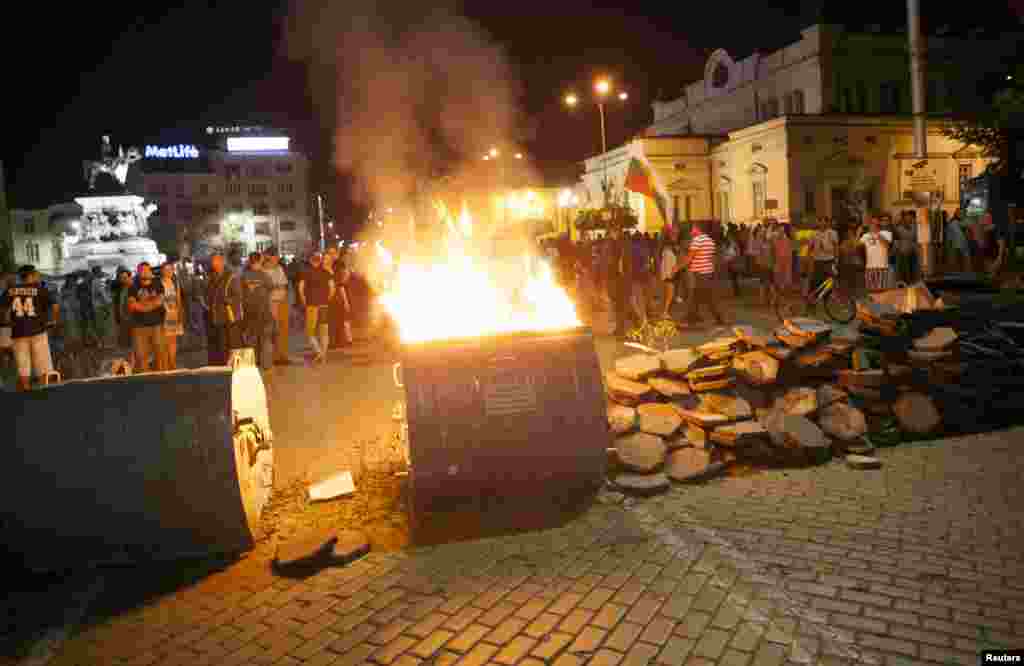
(409, 90)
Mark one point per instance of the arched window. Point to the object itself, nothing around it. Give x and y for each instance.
(759, 188)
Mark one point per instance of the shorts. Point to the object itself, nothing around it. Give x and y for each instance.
(32, 356)
(316, 314)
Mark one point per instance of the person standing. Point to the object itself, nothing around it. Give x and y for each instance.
(640, 264)
(669, 261)
(344, 312)
(122, 320)
(876, 244)
(762, 258)
(279, 304)
(258, 317)
(146, 309)
(316, 290)
(956, 240)
(904, 242)
(223, 311)
(71, 328)
(174, 317)
(28, 308)
(731, 255)
(102, 304)
(783, 250)
(700, 261)
(824, 246)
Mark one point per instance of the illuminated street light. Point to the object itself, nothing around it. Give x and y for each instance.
(519, 156)
(487, 158)
(603, 87)
(623, 96)
(571, 100)
(494, 152)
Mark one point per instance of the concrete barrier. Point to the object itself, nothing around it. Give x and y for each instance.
(123, 469)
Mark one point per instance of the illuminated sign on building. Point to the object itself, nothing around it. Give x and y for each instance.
(178, 152)
(256, 144)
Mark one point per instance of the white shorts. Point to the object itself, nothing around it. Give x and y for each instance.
(32, 355)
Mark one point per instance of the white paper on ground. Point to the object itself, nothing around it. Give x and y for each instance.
(336, 486)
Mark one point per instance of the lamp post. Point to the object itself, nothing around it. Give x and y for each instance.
(603, 88)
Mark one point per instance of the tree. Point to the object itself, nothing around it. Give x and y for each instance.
(995, 127)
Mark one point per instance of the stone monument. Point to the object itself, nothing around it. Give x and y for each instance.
(113, 228)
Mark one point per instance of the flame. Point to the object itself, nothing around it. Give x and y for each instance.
(464, 294)
(384, 255)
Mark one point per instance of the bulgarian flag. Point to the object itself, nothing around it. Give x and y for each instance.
(639, 179)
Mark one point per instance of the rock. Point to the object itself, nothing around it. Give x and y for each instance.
(642, 484)
(708, 373)
(685, 464)
(929, 356)
(624, 391)
(712, 385)
(842, 421)
(687, 402)
(829, 394)
(758, 368)
(702, 419)
(727, 405)
(697, 437)
(794, 432)
(753, 337)
(917, 413)
(807, 328)
(863, 462)
(306, 550)
(350, 546)
(793, 341)
(622, 419)
(679, 361)
(670, 388)
(718, 345)
(637, 367)
(815, 358)
(757, 397)
(800, 401)
(659, 419)
(678, 441)
(739, 435)
(779, 351)
(860, 449)
(641, 452)
(865, 378)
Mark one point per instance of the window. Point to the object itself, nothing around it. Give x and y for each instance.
(890, 97)
(284, 167)
(233, 188)
(286, 205)
(258, 189)
(288, 225)
(675, 209)
(687, 208)
(212, 229)
(238, 208)
(58, 251)
(285, 188)
(769, 109)
(724, 209)
(257, 172)
(798, 101)
(261, 209)
(759, 197)
(847, 104)
(964, 172)
(233, 171)
(932, 102)
(263, 228)
(30, 227)
(204, 189)
(32, 251)
(809, 203)
(862, 97)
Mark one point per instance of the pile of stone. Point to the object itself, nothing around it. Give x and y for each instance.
(787, 398)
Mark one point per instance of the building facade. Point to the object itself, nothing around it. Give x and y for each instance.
(38, 237)
(806, 131)
(231, 188)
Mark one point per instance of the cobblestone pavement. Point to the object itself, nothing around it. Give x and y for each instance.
(918, 562)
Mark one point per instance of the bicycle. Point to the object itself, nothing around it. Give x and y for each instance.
(840, 305)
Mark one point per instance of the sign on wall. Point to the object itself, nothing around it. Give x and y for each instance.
(177, 152)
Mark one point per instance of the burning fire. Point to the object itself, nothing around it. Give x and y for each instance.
(465, 294)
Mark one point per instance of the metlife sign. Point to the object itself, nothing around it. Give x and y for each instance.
(176, 152)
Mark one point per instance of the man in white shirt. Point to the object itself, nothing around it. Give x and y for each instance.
(279, 305)
(876, 244)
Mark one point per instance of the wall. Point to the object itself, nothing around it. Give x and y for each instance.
(35, 241)
(756, 154)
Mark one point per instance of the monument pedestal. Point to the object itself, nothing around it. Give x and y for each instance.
(110, 255)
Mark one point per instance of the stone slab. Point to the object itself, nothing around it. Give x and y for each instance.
(843, 421)
(670, 388)
(625, 391)
(622, 419)
(685, 464)
(680, 361)
(734, 407)
(710, 372)
(938, 339)
(758, 367)
(702, 419)
(753, 336)
(739, 434)
(712, 385)
(641, 452)
(638, 367)
(917, 413)
(807, 327)
(799, 401)
(659, 419)
(863, 462)
(794, 432)
(642, 484)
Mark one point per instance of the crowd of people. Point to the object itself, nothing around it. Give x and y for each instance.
(220, 303)
(644, 275)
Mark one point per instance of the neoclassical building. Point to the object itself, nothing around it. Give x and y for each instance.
(795, 132)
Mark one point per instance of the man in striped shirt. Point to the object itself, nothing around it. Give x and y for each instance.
(701, 263)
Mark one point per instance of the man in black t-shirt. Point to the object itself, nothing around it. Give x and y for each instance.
(30, 310)
(146, 311)
(316, 289)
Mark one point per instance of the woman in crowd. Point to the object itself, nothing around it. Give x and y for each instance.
(876, 243)
(762, 260)
(958, 251)
(667, 267)
(174, 323)
(783, 252)
(70, 308)
(731, 255)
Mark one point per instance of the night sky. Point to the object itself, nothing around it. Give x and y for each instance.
(111, 68)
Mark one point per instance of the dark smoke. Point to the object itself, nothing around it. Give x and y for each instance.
(410, 91)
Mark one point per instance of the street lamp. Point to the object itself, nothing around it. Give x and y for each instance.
(603, 88)
(494, 154)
